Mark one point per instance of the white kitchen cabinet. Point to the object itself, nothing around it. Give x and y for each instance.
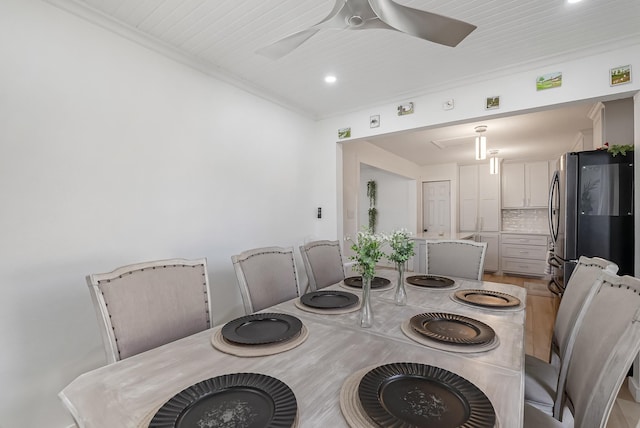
(479, 199)
(525, 185)
(420, 257)
(492, 256)
(537, 183)
(523, 254)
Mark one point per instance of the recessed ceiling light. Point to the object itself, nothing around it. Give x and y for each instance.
(573, 1)
(330, 79)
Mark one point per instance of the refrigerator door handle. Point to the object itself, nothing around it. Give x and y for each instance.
(555, 287)
(554, 262)
(554, 214)
(557, 261)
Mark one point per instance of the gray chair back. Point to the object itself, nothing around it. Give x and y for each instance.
(606, 344)
(583, 278)
(543, 381)
(323, 263)
(460, 258)
(146, 305)
(266, 276)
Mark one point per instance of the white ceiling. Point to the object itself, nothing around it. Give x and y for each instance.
(380, 66)
(372, 66)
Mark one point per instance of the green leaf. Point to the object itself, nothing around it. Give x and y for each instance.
(622, 149)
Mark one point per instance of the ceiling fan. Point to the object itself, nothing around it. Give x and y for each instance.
(381, 14)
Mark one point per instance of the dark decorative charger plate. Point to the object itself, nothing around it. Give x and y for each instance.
(408, 395)
(356, 281)
(430, 281)
(258, 329)
(329, 299)
(452, 328)
(247, 400)
(487, 298)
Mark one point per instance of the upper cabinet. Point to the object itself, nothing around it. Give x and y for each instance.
(525, 185)
(479, 199)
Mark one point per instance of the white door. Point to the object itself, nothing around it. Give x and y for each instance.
(436, 211)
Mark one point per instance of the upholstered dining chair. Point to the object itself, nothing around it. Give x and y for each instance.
(323, 263)
(541, 377)
(604, 348)
(145, 305)
(460, 258)
(266, 276)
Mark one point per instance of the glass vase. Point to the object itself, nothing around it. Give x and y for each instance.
(401, 294)
(366, 316)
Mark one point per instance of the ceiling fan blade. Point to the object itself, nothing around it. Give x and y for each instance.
(335, 19)
(284, 46)
(425, 25)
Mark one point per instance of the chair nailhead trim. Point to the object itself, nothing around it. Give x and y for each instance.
(635, 291)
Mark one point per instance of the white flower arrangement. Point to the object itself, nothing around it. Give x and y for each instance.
(368, 252)
(401, 245)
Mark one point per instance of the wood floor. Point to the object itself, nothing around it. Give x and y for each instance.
(541, 314)
(541, 311)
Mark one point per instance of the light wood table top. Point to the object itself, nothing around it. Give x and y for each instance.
(124, 393)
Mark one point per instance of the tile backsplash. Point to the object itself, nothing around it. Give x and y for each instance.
(534, 220)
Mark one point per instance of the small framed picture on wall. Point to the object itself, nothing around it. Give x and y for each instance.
(344, 133)
(620, 75)
(549, 81)
(492, 103)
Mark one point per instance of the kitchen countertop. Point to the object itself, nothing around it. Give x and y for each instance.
(469, 235)
(532, 232)
(445, 235)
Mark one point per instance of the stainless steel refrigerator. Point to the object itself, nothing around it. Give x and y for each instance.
(591, 213)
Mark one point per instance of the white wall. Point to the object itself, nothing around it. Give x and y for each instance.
(396, 200)
(112, 154)
(351, 156)
(583, 79)
(618, 121)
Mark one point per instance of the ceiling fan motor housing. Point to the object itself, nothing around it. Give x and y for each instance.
(355, 21)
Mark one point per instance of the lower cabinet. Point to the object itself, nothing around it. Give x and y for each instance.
(420, 258)
(492, 256)
(524, 254)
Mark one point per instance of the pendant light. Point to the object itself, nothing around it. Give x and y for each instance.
(494, 163)
(481, 143)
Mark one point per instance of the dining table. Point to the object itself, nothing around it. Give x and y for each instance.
(129, 392)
